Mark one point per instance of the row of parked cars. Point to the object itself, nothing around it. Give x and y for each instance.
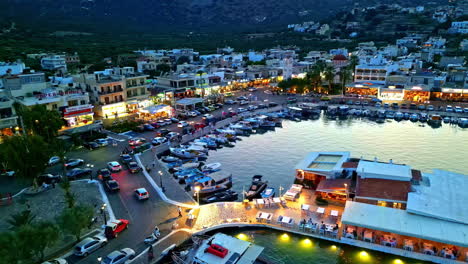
(200, 110)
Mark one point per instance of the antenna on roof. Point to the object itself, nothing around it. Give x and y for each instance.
(391, 161)
(375, 159)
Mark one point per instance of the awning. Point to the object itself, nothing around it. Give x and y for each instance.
(155, 109)
(401, 222)
(333, 186)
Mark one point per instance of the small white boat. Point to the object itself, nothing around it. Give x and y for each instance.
(190, 165)
(212, 167)
(195, 147)
(186, 154)
(198, 142)
(446, 119)
(227, 131)
(241, 126)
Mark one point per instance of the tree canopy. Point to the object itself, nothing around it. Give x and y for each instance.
(74, 220)
(38, 120)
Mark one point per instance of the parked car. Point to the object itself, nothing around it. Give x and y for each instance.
(421, 107)
(430, 108)
(172, 135)
(72, 163)
(56, 261)
(200, 110)
(182, 124)
(404, 106)
(114, 228)
(211, 108)
(141, 194)
(114, 166)
(230, 102)
(413, 106)
(163, 132)
(272, 104)
(91, 145)
(386, 105)
(357, 102)
(395, 106)
(126, 158)
(208, 116)
(148, 127)
(378, 105)
(218, 105)
(133, 167)
(243, 102)
(252, 89)
(111, 185)
(136, 142)
(89, 245)
(119, 256)
(48, 178)
(449, 108)
(158, 141)
(104, 174)
(53, 160)
(192, 114)
(241, 110)
(242, 98)
(252, 107)
(458, 109)
(102, 142)
(174, 120)
(78, 173)
(262, 106)
(465, 110)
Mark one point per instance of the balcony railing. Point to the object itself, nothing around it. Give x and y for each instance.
(8, 121)
(110, 91)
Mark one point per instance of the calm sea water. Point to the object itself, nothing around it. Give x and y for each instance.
(275, 154)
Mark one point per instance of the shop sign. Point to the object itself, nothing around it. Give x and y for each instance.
(78, 108)
(450, 90)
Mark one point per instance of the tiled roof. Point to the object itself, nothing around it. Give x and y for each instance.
(383, 189)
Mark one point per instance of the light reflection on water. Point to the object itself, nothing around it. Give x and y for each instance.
(275, 153)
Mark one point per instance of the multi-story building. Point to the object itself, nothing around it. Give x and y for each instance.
(376, 70)
(11, 67)
(54, 62)
(460, 27)
(116, 92)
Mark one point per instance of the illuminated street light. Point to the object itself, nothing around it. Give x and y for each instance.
(197, 192)
(103, 212)
(346, 190)
(160, 181)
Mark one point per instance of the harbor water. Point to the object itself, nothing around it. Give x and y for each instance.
(274, 155)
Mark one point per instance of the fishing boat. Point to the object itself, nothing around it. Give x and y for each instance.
(463, 122)
(212, 167)
(170, 159)
(186, 153)
(197, 142)
(390, 115)
(414, 117)
(184, 175)
(454, 120)
(220, 139)
(210, 143)
(435, 121)
(243, 127)
(226, 131)
(224, 196)
(398, 116)
(190, 165)
(423, 117)
(406, 116)
(220, 249)
(256, 188)
(212, 183)
(195, 147)
(268, 192)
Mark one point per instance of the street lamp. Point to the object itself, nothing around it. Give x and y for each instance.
(160, 180)
(197, 192)
(346, 190)
(99, 259)
(103, 212)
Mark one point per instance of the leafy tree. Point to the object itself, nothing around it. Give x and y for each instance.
(45, 235)
(345, 76)
(38, 120)
(329, 74)
(69, 197)
(13, 250)
(182, 60)
(21, 219)
(163, 67)
(353, 61)
(75, 220)
(26, 155)
(315, 77)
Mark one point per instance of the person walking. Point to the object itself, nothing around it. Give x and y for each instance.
(180, 211)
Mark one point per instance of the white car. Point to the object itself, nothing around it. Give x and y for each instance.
(430, 108)
(114, 166)
(230, 102)
(89, 245)
(182, 124)
(119, 256)
(142, 194)
(208, 116)
(102, 142)
(192, 114)
(158, 140)
(465, 110)
(252, 107)
(55, 261)
(449, 108)
(458, 109)
(252, 89)
(172, 135)
(241, 110)
(243, 102)
(54, 160)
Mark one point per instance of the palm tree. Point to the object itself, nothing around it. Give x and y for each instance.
(21, 219)
(345, 76)
(314, 77)
(329, 73)
(353, 61)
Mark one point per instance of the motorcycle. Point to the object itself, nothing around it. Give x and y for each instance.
(153, 237)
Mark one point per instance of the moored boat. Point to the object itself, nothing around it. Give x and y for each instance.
(268, 192)
(256, 188)
(224, 196)
(212, 183)
(186, 153)
(212, 167)
(435, 120)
